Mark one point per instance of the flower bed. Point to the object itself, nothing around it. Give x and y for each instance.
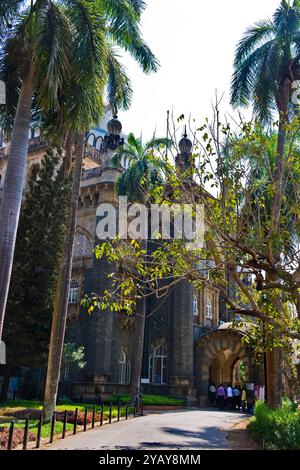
(17, 437)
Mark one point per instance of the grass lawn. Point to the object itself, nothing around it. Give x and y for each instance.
(10, 408)
(46, 429)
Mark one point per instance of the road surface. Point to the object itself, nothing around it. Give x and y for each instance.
(190, 429)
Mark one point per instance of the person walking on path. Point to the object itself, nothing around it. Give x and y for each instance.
(221, 397)
(212, 395)
(243, 400)
(236, 398)
(229, 395)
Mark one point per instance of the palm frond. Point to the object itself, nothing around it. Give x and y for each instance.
(124, 29)
(253, 38)
(119, 90)
(51, 54)
(157, 142)
(135, 143)
(122, 154)
(244, 76)
(9, 9)
(138, 6)
(11, 74)
(89, 41)
(265, 86)
(286, 19)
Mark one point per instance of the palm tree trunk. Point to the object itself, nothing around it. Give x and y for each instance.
(13, 190)
(138, 351)
(62, 292)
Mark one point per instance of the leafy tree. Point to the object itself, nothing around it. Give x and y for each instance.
(73, 355)
(121, 22)
(38, 251)
(266, 71)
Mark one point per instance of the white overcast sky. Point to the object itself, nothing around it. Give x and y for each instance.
(194, 41)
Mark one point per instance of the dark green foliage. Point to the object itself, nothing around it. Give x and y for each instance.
(144, 166)
(276, 429)
(38, 250)
(154, 400)
(267, 53)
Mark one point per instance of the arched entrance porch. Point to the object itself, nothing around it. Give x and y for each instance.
(221, 357)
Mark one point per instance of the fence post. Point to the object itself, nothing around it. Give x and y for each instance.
(101, 415)
(126, 411)
(142, 407)
(118, 409)
(110, 411)
(75, 421)
(39, 433)
(134, 410)
(65, 424)
(11, 435)
(85, 419)
(52, 427)
(25, 437)
(93, 417)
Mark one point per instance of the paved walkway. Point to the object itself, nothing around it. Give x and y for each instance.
(191, 429)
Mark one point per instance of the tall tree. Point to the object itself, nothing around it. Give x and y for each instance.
(266, 67)
(44, 49)
(122, 29)
(38, 252)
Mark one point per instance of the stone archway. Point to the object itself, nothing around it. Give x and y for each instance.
(220, 353)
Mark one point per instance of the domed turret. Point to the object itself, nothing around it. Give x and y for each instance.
(185, 144)
(113, 138)
(184, 158)
(114, 126)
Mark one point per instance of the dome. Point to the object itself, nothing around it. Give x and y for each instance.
(185, 145)
(114, 126)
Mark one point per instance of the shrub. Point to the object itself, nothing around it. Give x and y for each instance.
(276, 429)
(154, 400)
(289, 405)
(29, 413)
(65, 400)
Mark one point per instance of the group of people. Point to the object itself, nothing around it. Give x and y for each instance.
(227, 397)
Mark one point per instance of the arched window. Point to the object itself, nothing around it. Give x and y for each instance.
(158, 365)
(195, 306)
(73, 293)
(124, 366)
(208, 308)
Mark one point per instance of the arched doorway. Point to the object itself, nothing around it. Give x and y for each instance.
(223, 359)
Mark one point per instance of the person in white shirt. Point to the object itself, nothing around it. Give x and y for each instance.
(229, 395)
(212, 394)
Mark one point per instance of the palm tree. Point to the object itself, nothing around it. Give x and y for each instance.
(143, 166)
(118, 95)
(53, 48)
(266, 66)
(143, 171)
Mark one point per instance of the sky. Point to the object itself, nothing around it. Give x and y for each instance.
(194, 41)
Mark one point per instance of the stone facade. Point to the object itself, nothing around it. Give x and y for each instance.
(184, 348)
